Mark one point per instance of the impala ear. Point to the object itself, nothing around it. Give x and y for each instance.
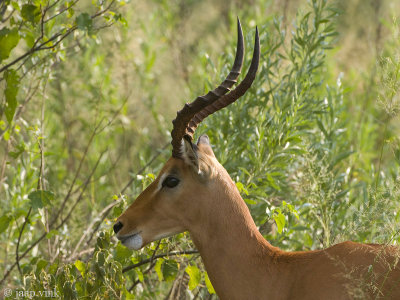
(204, 145)
(190, 153)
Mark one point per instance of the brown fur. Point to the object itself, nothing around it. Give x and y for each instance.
(240, 262)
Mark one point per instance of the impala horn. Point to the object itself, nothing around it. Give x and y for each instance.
(193, 113)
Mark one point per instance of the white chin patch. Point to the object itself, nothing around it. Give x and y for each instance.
(134, 242)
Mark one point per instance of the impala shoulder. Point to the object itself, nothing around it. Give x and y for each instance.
(349, 245)
(355, 250)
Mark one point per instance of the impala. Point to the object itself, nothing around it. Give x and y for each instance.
(194, 193)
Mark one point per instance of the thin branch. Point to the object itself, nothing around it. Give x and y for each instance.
(146, 261)
(100, 220)
(3, 164)
(54, 4)
(61, 11)
(66, 198)
(123, 190)
(77, 255)
(99, 13)
(57, 227)
(17, 257)
(60, 36)
(20, 108)
(34, 49)
(43, 14)
(39, 187)
(54, 37)
(142, 169)
(152, 264)
(81, 194)
(63, 36)
(9, 16)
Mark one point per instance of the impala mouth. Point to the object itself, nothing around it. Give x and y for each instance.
(133, 241)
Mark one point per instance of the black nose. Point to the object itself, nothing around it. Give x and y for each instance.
(117, 226)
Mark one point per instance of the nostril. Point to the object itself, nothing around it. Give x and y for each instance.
(117, 226)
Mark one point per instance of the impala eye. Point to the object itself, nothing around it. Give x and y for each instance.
(170, 182)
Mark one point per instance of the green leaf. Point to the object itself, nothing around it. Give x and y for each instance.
(122, 253)
(19, 150)
(195, 276)
(30, 13)
(121, 19)
(40, 198)
(11, 91)
(250, 201)
(100, 259)
(166, 269)
(7, 135)
(272, 182)
(169, 269)
(340, 157)
(53, 268)
(140, 275)
(81, 266)
(209, 286)
(117, 211)
(29, 39)
(8, 40)
(51, 233)
(158, 270)
(291, 209)
(241, 188)
(84, 22)
(70, 12)
(280, 221)
(41, 265)
(4, 222)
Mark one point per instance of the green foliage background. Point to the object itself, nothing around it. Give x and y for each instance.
(88, 92)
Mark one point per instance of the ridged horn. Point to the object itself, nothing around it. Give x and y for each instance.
(193, 113)
(232, 96)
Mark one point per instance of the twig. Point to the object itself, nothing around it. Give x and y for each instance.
(77, 255)
(60, 36)
(61, 11)
(20, 108)
(142, 169)
(152, 264)
(17, 257)
(81, 194)
(3, 164)
(123, 190)
(106, 209)
(66, 198)
(40, 186)
(57, 227)
(99, 13)
(54, 4)
(31, 51)
(43, 46)
(43, 14)
(155, 250)
(146, 261)
(9, 16)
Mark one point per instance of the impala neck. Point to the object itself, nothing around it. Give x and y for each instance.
(237, 258)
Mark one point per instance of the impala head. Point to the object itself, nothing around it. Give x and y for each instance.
(191, 178)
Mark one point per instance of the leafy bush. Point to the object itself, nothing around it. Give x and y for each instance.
(312, 147)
